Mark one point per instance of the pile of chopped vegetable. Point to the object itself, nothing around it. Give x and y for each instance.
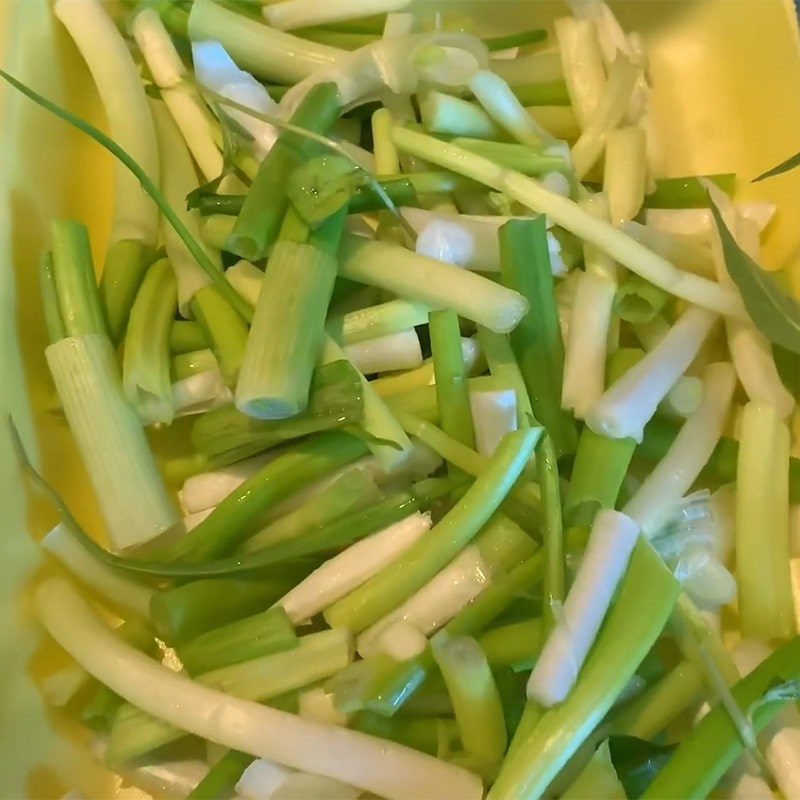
(481, 471)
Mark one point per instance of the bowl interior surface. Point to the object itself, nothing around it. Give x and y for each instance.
(727, 98)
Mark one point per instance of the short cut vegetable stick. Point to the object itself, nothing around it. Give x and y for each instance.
(425, 280)
(674, 475)
(264, 51)
(631, 402)
(375, 765)
(567, 214)
(611, 543)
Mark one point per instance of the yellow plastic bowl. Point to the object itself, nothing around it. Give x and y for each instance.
(727, 97)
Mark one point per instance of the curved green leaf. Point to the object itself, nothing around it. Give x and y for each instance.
(775, 313)
(784, 166)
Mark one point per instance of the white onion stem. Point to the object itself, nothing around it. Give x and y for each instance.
(631, 402)
(674, 475)
(611, 543)
(374, 765)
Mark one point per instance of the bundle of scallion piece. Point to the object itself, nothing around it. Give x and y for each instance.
(457, 508)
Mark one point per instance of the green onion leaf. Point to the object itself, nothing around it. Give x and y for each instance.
(785, 166)
(322, 186)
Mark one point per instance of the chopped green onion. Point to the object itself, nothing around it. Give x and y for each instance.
(713, 746)
(553, 534)
(766, 607)
(393, 352)
(638, 300)
(117, 79)
(473, 691)
(123, 272)
(537, 340)
(132, 496)
(385, 590)
(225, 435)
(611, 543)
(225, 330)
(145, 366)
(641, 608)
(186, 337)
(353, 567)
(676, 473)
(425, 280)
(351, 491)
(222, 778)
(238, 515)
(243, 640)
(258, 224)
(317, 656)
(182, 614)
(246, 278)
(541, 94)
(291, 14)
(625, 173)
(371, 322)
(631, 402)
(267, 53)
(649, 714)
(567, 214)
(525, 160)
(452, 392)
(444, 113)
(110, 584)
(582, 65)
(516, 645)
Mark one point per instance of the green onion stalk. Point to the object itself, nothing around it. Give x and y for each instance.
(601, 463)
(384, 685)
(317, 656)
(185, 613)
(238, 515)
(452, 391)
(289, 322)
(146, 359)
(537, 339)
(135, 231)
(221, 779)
(186, 336)
(132, 496)
(225, 435)
(394, 584)
(259, 222)
(642, 606)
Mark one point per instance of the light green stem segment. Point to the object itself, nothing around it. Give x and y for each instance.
(349, 492)
(264, 209)
(418, 278)
(516, 645)
(598, 779)
(638, 300)
(239, 514)
(643, 604)
(248, 638)
(503, 366)
(397, 582)
(76, 287)
(525, 496)
(287, 331)
(183, 613)
(601, 463)
(317, 656)
(452, 391)
(519, 157)
(129, 488)
(473, 692)
(146, 361)
(651, 712)
(713, 746)
(537, 342)
(186, 337)
(52, 312)
(266, 52)
(123, 272)
(225, 330)
(374, 321)
(222, 778)
(553, 533)
(766, 607)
